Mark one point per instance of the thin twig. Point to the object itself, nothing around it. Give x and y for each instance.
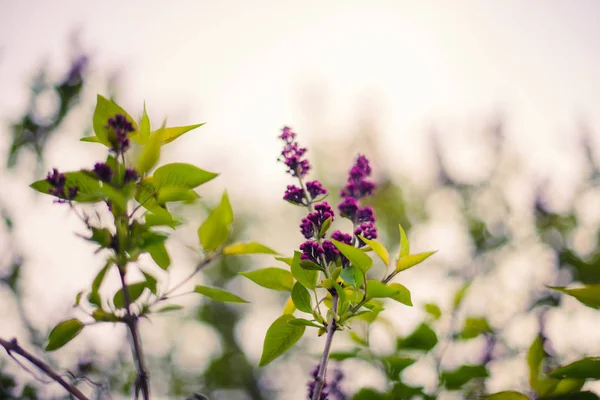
(198, 268)
(320, 379)
(13, 347)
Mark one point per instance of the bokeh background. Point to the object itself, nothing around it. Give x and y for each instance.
(479, 117)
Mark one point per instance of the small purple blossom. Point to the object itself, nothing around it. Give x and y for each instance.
(103, 171)
(292, 154)
(311, 251)
(287, 135)
(331, 389)
(315, 189)
(367, 230)
(365, 214)
(348, 207)
(313, 222)
(330, 251)
(55, 178)
(358, 186)
(342, 237)
(121, 128)
(307, 228)
(131, 175)
(58, 181)
(294, 194)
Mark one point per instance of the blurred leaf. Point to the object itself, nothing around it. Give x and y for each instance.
(286, 260)
(63, 333)
(144, 126)
(172, 307)
(422, 338)
(169, 134)
(102, 237)
(357, 257)
(460, 295)
(218, 294)
(89, 187)
(181, 175)
(343, 355)
(410, 260)
(301, 298)
(216, 228)
(379, 249)
(159, 254)
(280, 337)
(394, 365)
(402, 295)
(433, 310)
(404, 245)
(160, 220)
(377, 289)
(307, 278)
(100, 277)
(247, 248)
(90, 139)
(586, 368)
(506, 395)
(576, 396)
(588, 295)
(149, 155)
(454, 380)
(289, 307)
(369, 394)
(271, 278)
(171, 194)
(535, 357)
(135, 290)
(474, 327)
(106, 109)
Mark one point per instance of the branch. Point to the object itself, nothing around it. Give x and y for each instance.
(320, 378)
(13, 347)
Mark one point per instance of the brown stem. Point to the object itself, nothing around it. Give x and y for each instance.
(320, 379)
(131, 320)
(13, 347)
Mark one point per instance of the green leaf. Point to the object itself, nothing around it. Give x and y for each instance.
(410, 260)
(310, 265)
(271, 278)
(286, 260)
(353, 276)
(181, 175)
(151, 282)
(90, 139)
(460, 295)
(104, 316)
(63, 333)
(214, 231)
(377, 289)
(379, 249)
(325, 227)
(144, 126)
(404, 245)
(161, 220)
(247, 248)
(422, 338)
(369, 394)
(99, 278)
(145, 194)
(454, 380)
(433, 310)
(402, 295)
(343, 355)
(304, 322)
(394, 365)
(218, 294)
(102, 237)
(586, 368)
(535, 356)
(301, 298)
(588, 295)
(170, 194)
(170, 134)
(280, 337)
(173, 307)
(149, 155)
(506, 395)
(306, 277)
(474, 327)
(159, 254)
(106, 109)
(357, 257)
(135, 290)
(89, 187)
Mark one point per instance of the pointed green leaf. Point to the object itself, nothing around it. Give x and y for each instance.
(325, 227)
(433, 310)
(353, 276)
(271, 278)
(422, 338)
(402, 295)
(100, 277)
(475, 326)
(307, 278)
(135, 290)
(379, 249)
(170, 134)
(460, 295)
(310, 265)
(394, 366)
(106, 109)
(160, 220)
(280, 337)
(588, 295)
(90, 139)
(586, 368)
(410, 260)
(181, 175)
(506, 395)
(304, 322)
(215, 230)
(356, 256)
(159, 254)
(404, 245)
(149, 155)
(454, 380)
(151, 282)
(301, 298)
(286, 260)
(63, 333)
(218, 294)
(247, 248)
(377, 289)
(173, 307)
(535, 356)
(144, 126)
(89, 187)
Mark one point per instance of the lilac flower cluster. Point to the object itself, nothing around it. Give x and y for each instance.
(331, 390)
(122, 128)
(356, 188)
(292, 154)
(58, 181)
(312, 223)
(103, 171)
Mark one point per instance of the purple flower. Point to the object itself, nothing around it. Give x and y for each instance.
(55, 178)
(131, 175)
(365, 214)
(367, 230)
(311, 251)
(121, 128)
(341, 237)
(307, 228)
(72, 192)
(294, 194)
(315, 189)
(313, 222)
(330, 251)
(331, 389)
(358, 186)
(292, 154)
(348, 207)
(58, 182)
(103, 171)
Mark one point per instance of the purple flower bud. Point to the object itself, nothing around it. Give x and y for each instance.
(103, 171)
(341, 237)
(131, 175)
(311, 251)
(122, 128)
(307, 228)
(294, 194)
(287, 135)
(357, 185)
(315, 189)
(292, 155)
(330, 251)
(55, 178)
(72, 192)
(365, 214)
(348, 207)
(313, 222)
(367, 230)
